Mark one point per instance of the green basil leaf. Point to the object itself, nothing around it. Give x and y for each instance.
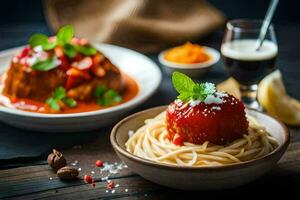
(86, 50)
(41, 40)
(69, 102)
(198, 96)
(45, 65)
(199, 88)
(188, 89)
(59, 93)
(184, 96)
(182, 83)
(65, 34)
(69, 50)
(100, 90)
(53, 103)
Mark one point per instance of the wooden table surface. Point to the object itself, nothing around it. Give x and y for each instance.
(38, 181)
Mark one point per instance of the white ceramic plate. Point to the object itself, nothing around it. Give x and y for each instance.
(143, 70)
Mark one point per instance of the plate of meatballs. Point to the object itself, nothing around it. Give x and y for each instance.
(67, 84)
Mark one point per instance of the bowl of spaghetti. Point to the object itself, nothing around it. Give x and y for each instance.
(205, 143)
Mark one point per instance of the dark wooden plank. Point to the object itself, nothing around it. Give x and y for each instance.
(295, 133)
(127, 187)
(34, 181)
(26, 180)
(27, 169)
(40, 182)
(139, 188)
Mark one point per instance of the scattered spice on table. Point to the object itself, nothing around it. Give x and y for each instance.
(99, 163)
(110, 185)
(88, 179)
(105, 172)
(74, 163)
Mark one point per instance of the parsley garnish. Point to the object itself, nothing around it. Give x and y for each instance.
(59, 95)
(63, 38)
(65, 34)
(42, 40)
(189, 90)
(105, 96)
(70, 50)
(85, 50)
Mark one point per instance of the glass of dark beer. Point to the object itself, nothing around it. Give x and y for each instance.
(246, 63)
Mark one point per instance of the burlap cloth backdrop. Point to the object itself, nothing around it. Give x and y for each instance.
(144, 25)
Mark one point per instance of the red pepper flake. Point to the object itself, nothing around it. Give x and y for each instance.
(24, 52)
(88, 179)
(99, 163)
(93, 185)
(111, 185)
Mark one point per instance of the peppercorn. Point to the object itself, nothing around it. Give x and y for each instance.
(88, 179)
(99, 163)
(56, 160)
(67, 173)
(111, 185)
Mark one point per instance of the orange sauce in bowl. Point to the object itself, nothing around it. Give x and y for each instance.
(187, 54)
(130, 90)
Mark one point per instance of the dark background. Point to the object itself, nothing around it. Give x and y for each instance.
(288, 10)
(19, 19)
(23, 17)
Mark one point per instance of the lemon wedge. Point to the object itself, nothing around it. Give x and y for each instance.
(273, 97)
(230, 86)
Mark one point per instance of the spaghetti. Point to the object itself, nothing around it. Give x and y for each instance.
(151, 142)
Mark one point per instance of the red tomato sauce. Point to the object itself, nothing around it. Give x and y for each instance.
(130, 90)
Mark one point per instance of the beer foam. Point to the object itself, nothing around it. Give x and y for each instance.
(245, 49)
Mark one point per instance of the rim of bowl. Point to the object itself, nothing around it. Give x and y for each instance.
(235, 24)
(124, 152)
(211, 51)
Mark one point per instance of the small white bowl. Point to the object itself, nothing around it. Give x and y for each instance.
(192, 70)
